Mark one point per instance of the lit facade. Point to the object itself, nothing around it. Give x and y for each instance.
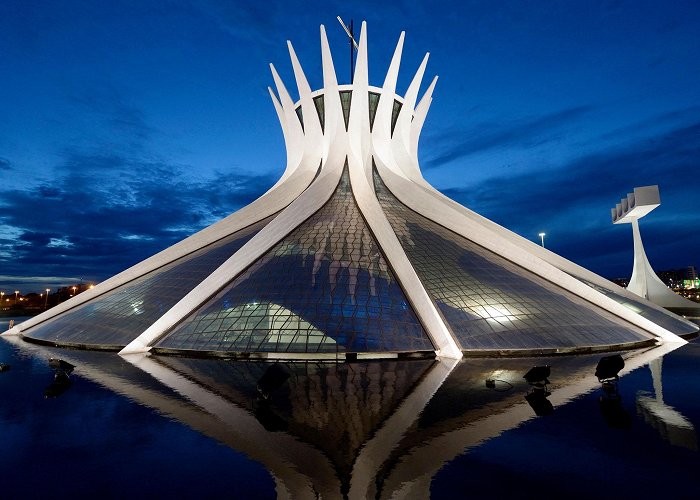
(352, 253)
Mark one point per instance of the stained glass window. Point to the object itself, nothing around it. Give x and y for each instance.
(116, 318)
(324, 288)
(491, 303)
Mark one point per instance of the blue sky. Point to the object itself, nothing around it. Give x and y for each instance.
(127, 126)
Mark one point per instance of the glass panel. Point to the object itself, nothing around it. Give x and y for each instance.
(345, 99)
(373, 103)
(117, 317)
(490, 302)
(326, 287)
(300, 115)
(319, 103)
(661, 318)
(395, 115)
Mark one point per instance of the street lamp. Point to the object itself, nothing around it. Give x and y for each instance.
(46, 300)
(16, 295)
(73, 288)
(541, 235)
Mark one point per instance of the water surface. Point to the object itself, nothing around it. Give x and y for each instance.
(394, 428)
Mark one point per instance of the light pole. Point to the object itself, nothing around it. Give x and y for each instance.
(73, 288)
(2, 298)
(46, 300)
(16, 295)
(541, 235)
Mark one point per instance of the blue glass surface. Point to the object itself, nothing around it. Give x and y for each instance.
(662, 318)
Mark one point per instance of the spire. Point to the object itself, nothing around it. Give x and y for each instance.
(291, 128)
(313, 134)
(408, 162)
(302, 82)
(285, 98)
(358, 126)
(386, 103)
(403, 123)
(332, 109)
(419, 119)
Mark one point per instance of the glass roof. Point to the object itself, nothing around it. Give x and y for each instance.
(117, 317)
(325, 288)
(664, 319)
(491, 303)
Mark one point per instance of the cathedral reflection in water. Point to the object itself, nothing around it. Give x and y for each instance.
(365, 429)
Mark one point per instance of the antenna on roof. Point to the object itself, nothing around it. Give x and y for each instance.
(353, 45)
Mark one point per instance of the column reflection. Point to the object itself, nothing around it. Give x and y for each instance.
(369, 429)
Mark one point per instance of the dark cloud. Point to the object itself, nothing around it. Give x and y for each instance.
(38, 239)
(5, 164)
(249, 21)
(48, 192)
(105, 213)
(669, 119)
(460, 142)
(224, 188)
(573, 203)
(109, 103)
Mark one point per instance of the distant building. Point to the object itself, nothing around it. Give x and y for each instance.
(672, 278)
(623, 282)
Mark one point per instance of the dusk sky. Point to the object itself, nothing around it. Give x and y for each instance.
(127, 126)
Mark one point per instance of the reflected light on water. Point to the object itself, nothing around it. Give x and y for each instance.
(372, 429)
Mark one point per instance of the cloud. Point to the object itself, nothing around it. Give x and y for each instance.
(44, 191)
(248, 21)
(118, 116)
(103, 213)
(255, 22)
(525, 132)
(572, 203)
(652, 125)
(5, 164)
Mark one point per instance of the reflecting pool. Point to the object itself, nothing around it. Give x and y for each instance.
(165, 425)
